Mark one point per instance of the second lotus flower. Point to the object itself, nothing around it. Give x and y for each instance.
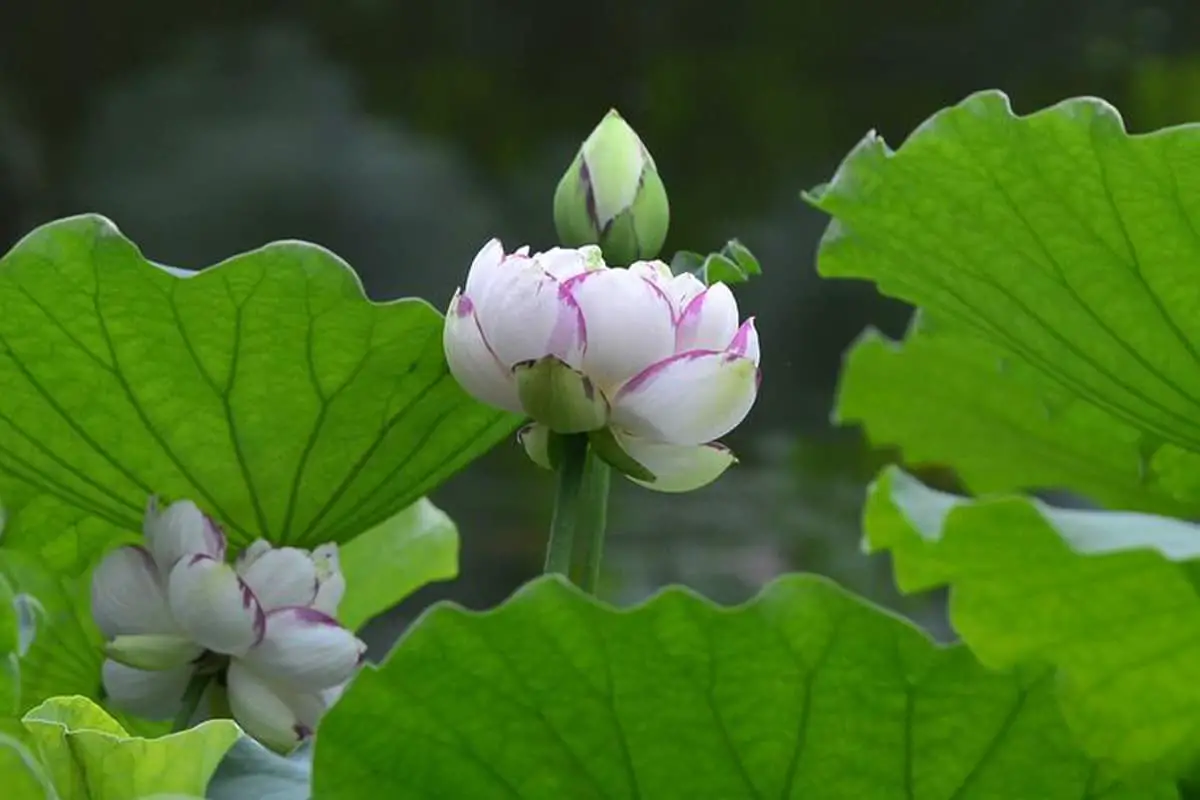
(660, 364)
(261, 629)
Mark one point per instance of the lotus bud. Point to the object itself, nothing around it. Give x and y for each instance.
(613, 196)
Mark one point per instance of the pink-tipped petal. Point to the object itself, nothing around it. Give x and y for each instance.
(275, 715)
(708, 322)
(565, 263)
(283, 576)
(306, 650)
(155, 695)
(683, 288)
(654, 271)
(486, 266)
(680, 289)
(214, 606)
(180, 530)
(127, 597)
(688, 399)
(745, 341)
(678, 468)
(472, 362)
(630, 324)
(526, 315)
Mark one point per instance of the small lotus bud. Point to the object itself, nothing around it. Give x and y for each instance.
(612, 196)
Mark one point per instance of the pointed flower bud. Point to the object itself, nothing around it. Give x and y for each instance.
(613, 196)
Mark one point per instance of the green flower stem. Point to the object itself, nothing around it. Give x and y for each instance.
(566, 503)
(191, 701)
(594, 519)
(580, 514)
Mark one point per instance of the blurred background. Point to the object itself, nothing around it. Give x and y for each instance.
(402, 135)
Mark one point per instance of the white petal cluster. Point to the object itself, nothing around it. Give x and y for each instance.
(264, 628)
(663, 361)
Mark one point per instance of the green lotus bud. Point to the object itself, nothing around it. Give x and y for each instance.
(612, 196)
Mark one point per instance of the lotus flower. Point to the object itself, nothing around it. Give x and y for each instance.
(656, 365)
(264, 628)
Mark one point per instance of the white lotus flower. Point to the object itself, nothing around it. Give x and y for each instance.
(264, 628)
(658, 360)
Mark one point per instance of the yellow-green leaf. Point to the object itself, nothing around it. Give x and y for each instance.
(395, 558)
(89, 756)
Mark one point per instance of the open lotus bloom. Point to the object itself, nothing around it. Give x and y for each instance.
(654, 366)
(263, 628)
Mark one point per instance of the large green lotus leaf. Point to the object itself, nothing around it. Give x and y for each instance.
(1061, 245)
(1106, 597)
(268, 388)
(389, 562)
(65, 539)
(1002, 424)
(804, 692)
(89, 756)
